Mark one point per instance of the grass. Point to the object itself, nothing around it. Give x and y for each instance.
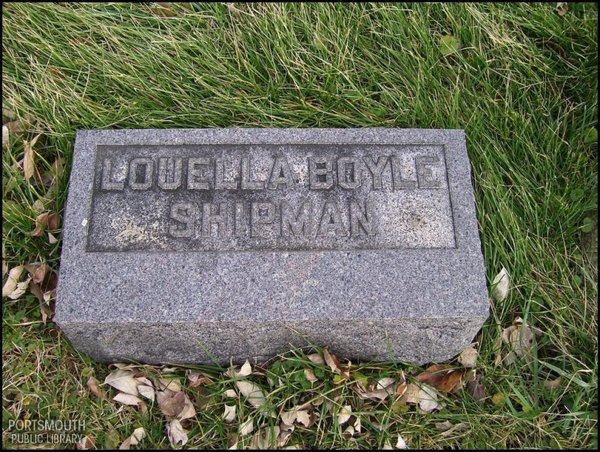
(523, 84)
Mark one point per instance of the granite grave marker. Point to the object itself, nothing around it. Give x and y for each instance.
(205, 245)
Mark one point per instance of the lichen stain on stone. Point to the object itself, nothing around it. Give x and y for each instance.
(129, 232)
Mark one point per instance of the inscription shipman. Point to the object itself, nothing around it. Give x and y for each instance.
(287, 197)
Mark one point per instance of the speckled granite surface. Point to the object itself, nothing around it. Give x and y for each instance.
(202, 245)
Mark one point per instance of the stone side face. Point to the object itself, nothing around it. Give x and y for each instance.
(203, 245)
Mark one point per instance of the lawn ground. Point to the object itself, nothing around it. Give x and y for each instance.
(521, 79)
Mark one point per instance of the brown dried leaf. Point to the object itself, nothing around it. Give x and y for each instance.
(172, 406)
(285, 432)
(252, 392)
(18, 126)
(310, 375)
(176, 433)
(86, 443)
(92, 384)
(128, 399)
(265, 438)
(468, 357)
(316, 359)
(447, 428)
(197, 378)
(475, 388)
(229, 414)
(519, 336)
(138, 435)
(401, 443)
(428, 399)
(562, 8)
(40, 273)
(553, 384)
(169, 383)
(146, 391)
(13, 280)
(247, 427)
(501, 285)
(443, 377)
(332, 361)
(29, 158)
(411, 394)
(47, 309)
(344, 415)
(123, 380)
(245, 370)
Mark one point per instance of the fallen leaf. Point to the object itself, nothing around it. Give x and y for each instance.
(265, 438)
(146, 391)
(244, 371)
(176, 433)
(51, 239)
(332, 361)
(5, 137)
(310, 375)
(13, 280)
(18, 126)
(428, 399)
(519, 336)
(411, 395)
(501, 285)
(86, 443)
(123, 381)
(128, 399)
(443, 377)
(344, 415)
(230, 393)
(376, 392)
(316, 359)
(553, 384)
(247, 427)
(447, 428)
(197, 378)
(229, 414)
(138, 435)
(29, 158)
(303, 417)
(47, 309)
(443, 426)
(401, 443)
(387, 445)
(285, 431)
(40, 272)
(92, 384)
(172, 406)
(468, 357)
(562, 8)
(475, 388)
(45, 220)
(170, 384)
(252, 392)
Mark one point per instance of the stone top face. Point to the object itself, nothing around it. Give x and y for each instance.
(270, 224)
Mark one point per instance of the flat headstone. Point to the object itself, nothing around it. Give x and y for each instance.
(205, 245)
